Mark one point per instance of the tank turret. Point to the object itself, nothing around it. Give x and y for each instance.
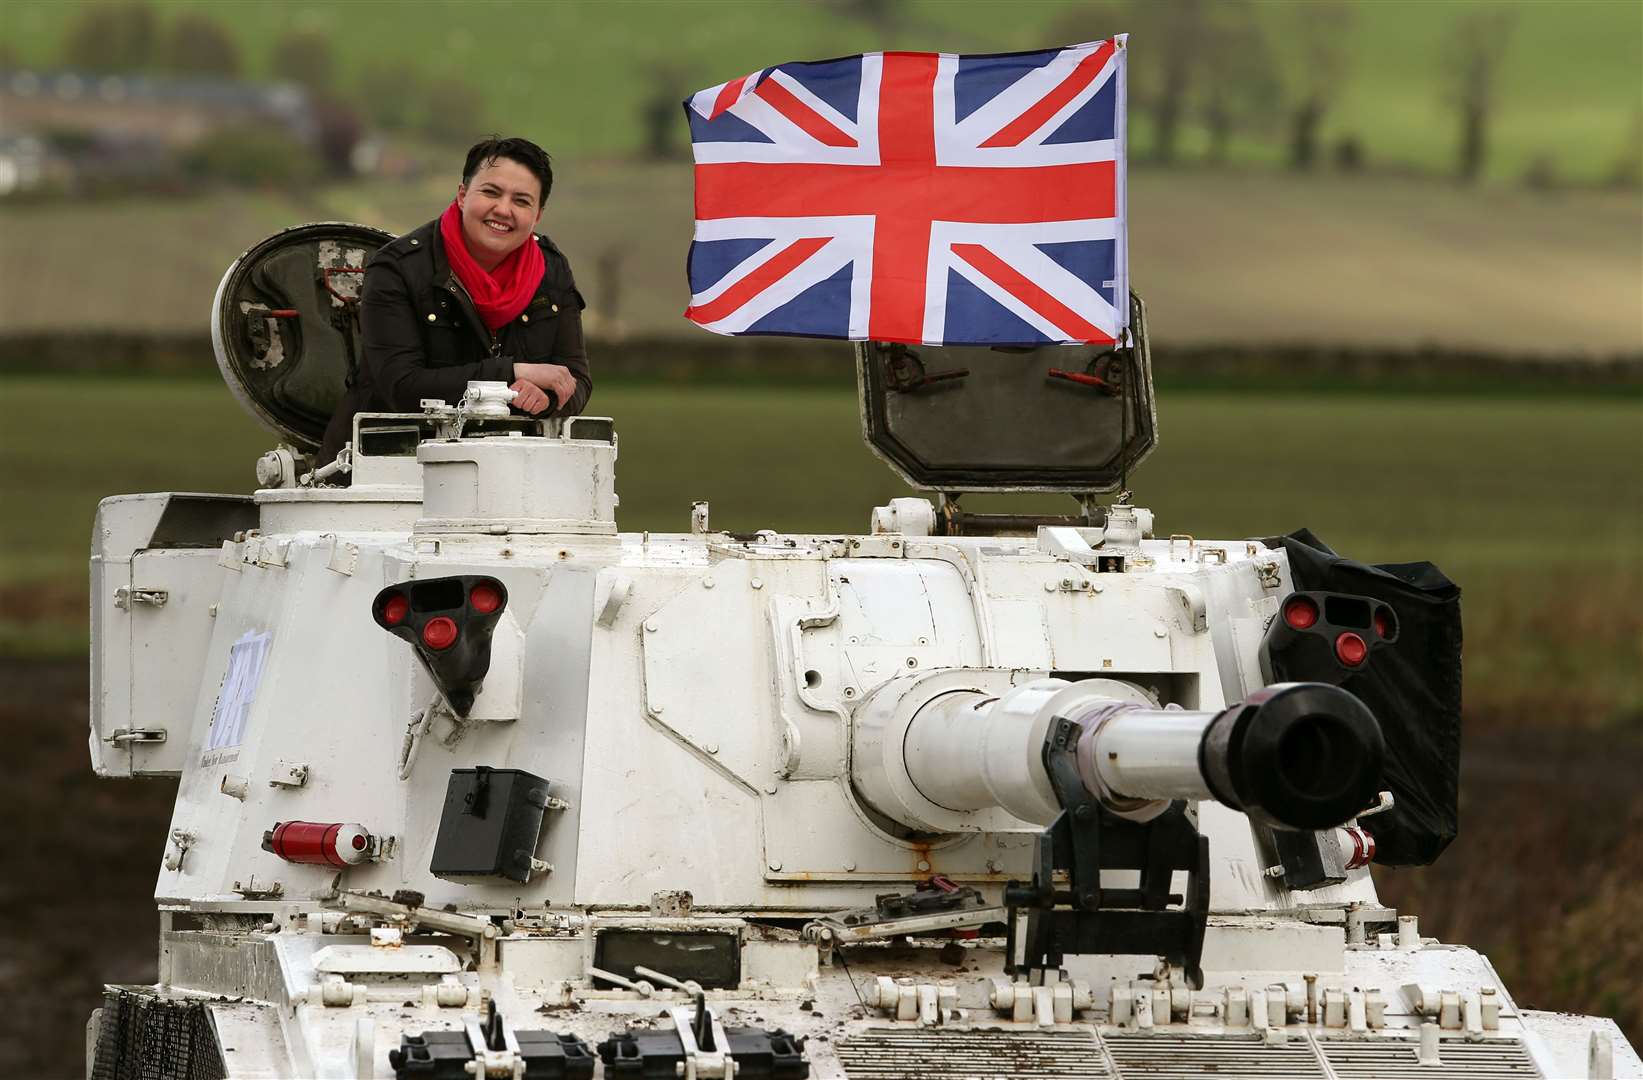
(472, 783)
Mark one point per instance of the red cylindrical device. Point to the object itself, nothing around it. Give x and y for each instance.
(1363, 846)
(321, 843)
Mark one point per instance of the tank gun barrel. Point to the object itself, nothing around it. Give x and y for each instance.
(1293, 755)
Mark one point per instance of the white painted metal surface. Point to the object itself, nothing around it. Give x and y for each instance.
(782, 727)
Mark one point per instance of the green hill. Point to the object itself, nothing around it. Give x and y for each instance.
(578, 74)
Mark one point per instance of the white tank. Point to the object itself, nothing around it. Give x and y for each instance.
(472, 784)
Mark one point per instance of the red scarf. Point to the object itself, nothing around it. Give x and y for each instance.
(500, 294)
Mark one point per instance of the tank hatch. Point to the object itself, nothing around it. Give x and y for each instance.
(1073, 419)
(285, 325)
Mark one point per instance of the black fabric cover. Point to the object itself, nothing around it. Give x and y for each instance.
(1412, 687)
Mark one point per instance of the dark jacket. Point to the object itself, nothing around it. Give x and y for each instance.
(423, 338)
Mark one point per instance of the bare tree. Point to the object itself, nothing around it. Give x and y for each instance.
(1627, 170)
(1236, 82)
(1315, 68)
(196, 42)
(391, 94)
(660, 120)
(304, 57)
(112, 37)
(455, 111)
(1168, 38)
(1476, 45)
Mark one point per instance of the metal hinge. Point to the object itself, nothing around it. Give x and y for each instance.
(136, 735)
(125, 598)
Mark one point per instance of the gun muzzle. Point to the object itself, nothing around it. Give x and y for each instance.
(1294, 755)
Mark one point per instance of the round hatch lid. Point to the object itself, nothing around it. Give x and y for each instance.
(285, 325)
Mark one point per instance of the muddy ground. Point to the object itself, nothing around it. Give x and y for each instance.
(1547, 876)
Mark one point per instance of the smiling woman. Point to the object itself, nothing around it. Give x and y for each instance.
(474, 294)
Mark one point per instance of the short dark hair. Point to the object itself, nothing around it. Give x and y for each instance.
(523, 151)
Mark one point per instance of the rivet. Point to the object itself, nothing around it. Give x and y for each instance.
(432, 317)
(524, 318)
(555, 307)
(650, 626)
(770, 789)
(924, 864)
(849, 867)
(414, 243)
(712, 748)
(707, 583)
(775, 866)
(757, 583)
(1159, 631)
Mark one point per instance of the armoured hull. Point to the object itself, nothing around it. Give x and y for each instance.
(743, 847)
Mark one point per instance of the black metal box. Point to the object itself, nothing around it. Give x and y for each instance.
(490, 824)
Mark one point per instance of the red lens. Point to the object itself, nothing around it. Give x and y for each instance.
(439, 633)
(1300, 613)
(359, 842)
(1350, 649)
(1384, 626)
(395, 609)
(485, 598)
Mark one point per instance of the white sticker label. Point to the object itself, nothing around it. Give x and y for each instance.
(246, 659)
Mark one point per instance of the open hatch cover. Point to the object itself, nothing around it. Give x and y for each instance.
(285, 325)
(1073, 419)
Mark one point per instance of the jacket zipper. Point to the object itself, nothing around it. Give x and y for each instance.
(493, 345)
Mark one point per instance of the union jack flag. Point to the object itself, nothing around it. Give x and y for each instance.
(916, 197)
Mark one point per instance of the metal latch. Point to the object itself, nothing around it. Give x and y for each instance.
(124, 598)
(135, 735)
(177, 850)
(706, 1047)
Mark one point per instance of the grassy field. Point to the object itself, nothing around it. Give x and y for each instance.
(576, 73)
(1222, 258)
(1534, 505)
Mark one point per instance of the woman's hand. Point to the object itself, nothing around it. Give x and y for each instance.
(556, 379)
(529, 397)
